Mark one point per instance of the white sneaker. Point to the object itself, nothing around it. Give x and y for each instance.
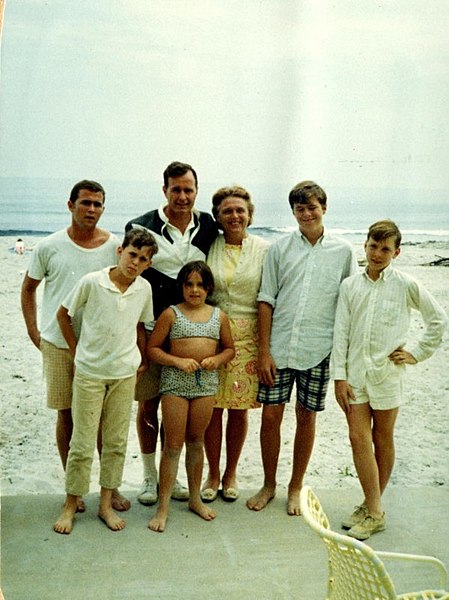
(179, 492)
(148, 491)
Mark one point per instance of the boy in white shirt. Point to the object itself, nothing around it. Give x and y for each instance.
(111, 346)
(368, 363)
(301, 278)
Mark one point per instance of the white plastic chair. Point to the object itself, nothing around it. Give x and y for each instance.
(356, 571)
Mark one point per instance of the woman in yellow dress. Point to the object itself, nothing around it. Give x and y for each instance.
(235, 259)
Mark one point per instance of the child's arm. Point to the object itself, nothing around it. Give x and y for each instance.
(227, 352)
(65, 323)
(142, 344)
(343, 393)
(156, 340)
(266, 367)
(435, 320)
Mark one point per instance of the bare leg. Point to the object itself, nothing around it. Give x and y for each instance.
(65, 522)
(236, 430)
(212, 444)
(200, 413)
(383, 439)
(270, 442)
(105, 512)
(360, 434)
(64, 429)
(147, 425)
(302, 451)
(174, 413)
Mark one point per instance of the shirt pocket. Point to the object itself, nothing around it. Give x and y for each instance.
(330, 280)
(389, 312)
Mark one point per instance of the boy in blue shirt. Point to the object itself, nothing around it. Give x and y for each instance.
(301, 278)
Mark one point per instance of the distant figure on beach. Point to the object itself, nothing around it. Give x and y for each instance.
(200, 341)
(19, 247)
(116, 302)
(368, 363)
(236, 259)
(301, 277)
(61, 259)
(182, 234)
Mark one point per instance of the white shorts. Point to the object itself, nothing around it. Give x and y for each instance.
(381, 396)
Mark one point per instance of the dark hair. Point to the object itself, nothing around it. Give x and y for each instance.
(381, 230)
(305, 191)
(140, 237)
(86, 184)
(178, 169)
(200, 267)
(228, 192)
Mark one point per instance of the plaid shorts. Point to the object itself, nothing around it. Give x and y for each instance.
(58, 372)
(311, 387)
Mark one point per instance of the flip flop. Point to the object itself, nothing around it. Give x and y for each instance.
(230, 494)
(209, 495)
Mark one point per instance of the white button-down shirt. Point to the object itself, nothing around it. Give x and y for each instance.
(301, 282)
(373, 319)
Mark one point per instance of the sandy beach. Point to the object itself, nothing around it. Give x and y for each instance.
(29, 459)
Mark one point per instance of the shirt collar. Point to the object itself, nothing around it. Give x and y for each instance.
(384, 275)
(164, 218)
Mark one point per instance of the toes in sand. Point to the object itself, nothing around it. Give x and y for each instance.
(65, 522)
(111, 520)
(293, 508)
(202, 510)
(158, 522)
(119, 502)
(261, 499)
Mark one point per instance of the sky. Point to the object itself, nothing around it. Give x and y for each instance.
(348, 93)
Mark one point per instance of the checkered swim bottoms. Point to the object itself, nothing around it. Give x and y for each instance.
(311, 387)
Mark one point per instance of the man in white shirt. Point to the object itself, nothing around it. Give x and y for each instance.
(61, 259)
(368, 363)
(182, 234)
(298, 296)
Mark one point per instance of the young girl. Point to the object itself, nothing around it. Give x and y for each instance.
(200, 341)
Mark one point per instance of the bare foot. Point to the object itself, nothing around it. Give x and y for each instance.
(65, 522)
(293, 508)
(158, 522)
(109, 518)
(261, 499)
(119, 502)
(80, 506)
(206, 513)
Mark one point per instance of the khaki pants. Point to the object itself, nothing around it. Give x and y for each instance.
(109, 400)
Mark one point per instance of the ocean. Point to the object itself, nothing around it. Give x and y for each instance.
(38, 206)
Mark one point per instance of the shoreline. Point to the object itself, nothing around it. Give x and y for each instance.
(29, 459)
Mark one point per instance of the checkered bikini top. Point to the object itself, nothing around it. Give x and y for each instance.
(185, 328)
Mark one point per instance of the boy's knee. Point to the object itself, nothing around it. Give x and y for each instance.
(172, 451)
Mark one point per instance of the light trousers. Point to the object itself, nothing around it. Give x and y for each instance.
(107, 401)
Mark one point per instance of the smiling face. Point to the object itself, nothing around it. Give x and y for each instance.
(181, 194)
(233, 215)
(309, 216)
(379, 254)
(133, 261)
(87, 209)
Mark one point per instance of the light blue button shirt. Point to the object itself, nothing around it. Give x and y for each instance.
(301, 282)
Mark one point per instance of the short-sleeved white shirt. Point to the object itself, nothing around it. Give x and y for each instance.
(62, 263)
(107, 346)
